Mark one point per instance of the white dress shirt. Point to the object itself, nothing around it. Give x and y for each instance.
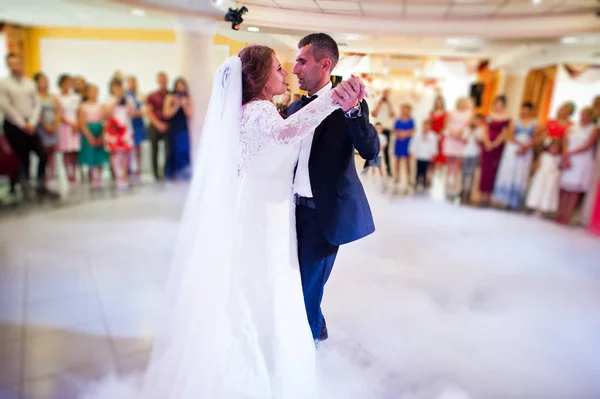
(19, 101)
(424, 145)
(302, 185)
(383, 116)
(473, 138)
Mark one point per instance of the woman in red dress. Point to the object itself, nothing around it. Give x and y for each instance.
(438, 116)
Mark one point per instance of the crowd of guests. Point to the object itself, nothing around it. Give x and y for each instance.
(545, 168)
(92, 134)
(523, 165)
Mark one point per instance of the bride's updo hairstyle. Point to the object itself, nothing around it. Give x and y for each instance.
(256, 68)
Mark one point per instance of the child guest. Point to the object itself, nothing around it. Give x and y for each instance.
(91, 124)
(47, 128)
(545, 186)
(424, 147)
(118, 137)
(69, 141)
(472, 137)
(376, 164)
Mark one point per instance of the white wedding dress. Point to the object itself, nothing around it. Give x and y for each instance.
(236, 325)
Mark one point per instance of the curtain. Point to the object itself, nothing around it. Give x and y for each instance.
(490, 80)
(539, 86)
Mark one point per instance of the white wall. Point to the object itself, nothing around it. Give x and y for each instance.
(513, 90)
(97, 60)
(580, 91)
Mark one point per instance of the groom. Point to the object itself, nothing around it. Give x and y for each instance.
(331, 205)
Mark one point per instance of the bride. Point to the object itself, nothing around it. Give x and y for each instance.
(236, 324)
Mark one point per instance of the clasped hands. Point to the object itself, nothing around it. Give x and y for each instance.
(349, 93)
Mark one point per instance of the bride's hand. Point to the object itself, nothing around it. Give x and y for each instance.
(348, 93)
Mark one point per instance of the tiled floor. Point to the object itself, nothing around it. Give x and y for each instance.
(499, 304)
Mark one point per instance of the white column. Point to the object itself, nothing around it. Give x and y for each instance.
(195, 38)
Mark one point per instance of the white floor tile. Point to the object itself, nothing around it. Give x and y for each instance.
(134, 332)
(60, 351)
(12, 285)
(135, 299)
(57, 281)
(498, 304)
(134, 363)
(63, 313)
(11, 319)
(11, 362)
(10, 392)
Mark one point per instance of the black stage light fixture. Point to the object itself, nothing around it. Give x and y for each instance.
(235, 17)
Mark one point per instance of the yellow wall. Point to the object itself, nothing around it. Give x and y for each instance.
(34, 35)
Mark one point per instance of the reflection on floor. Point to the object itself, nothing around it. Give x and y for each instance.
(500, 305)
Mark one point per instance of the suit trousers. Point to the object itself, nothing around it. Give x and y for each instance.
(23, 144)
(316, 256)
(155, 137)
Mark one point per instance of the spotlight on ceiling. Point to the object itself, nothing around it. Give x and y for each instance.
(536, 2)
(138, 12)
(569, 40)
(235, 17)
(83, 16)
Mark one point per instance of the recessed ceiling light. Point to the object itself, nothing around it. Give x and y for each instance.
(464, 41)
(253, 29)
(138, 12)
(569, 40)
(536, 2)
(81, 15)
(351, 37)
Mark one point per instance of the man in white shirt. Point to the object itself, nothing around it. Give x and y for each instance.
(20, 104)
(331, 205)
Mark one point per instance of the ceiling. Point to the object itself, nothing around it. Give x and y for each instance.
(499, 30)
(80, 13)
(441, 9)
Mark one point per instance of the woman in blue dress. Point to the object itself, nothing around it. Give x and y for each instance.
(404, 129)
(515, 165)
(137, 122)
(178, 110)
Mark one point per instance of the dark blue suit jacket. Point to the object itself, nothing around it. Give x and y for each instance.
(342, 207)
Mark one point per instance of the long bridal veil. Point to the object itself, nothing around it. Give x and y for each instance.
(195, 330)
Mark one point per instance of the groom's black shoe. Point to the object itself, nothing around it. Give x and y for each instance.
(324, 334)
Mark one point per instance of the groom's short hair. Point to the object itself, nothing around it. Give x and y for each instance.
(323, 46)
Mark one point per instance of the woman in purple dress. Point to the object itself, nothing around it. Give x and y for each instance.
(493, 140)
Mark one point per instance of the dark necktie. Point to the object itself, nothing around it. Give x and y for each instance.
(306, 100)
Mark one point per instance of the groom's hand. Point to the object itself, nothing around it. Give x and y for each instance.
(349, 93)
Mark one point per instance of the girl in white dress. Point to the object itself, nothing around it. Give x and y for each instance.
(236, 324)
(545, 186)
(578, 158)
(69, 139)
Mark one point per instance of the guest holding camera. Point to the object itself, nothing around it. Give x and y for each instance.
(178, 110)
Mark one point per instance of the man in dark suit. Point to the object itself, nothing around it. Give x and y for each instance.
(331, 205)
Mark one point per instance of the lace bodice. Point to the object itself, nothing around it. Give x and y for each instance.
(261, 124)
